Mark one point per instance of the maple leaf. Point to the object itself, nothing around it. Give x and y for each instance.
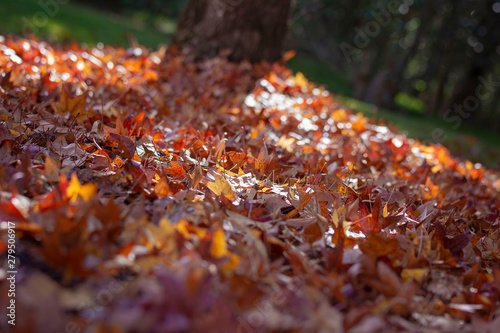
(74, 105)
(125, 145)
(161, 188)
(75, 190)
(119, 129)
(196, 176)
(263, 160)
(338, 218)
(379, 245)
(457, 243)
(176, 171)
(164, 237)
(222, 187)
(51, 171)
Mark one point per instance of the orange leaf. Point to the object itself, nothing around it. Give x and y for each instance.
(119, 129)
(176, 171)
(219, 249)
(162, 189)
(346, 191)
(75, 189)
(219, 246)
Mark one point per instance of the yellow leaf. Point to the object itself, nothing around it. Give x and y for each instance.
(185, 229)
(469, 166)
(75, 189)
(219, 250)
(222, 187)
(385, 213)
(164, 236)
(338, 218)
(300, 80)
(285, 143)
(335, 218)
(226, 172)
(219, 247)
(417, 274)
(339, 115)
(182, 229)
(14, 133)
(232, 263)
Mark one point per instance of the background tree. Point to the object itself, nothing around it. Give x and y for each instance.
(253, 30)
(435, 53)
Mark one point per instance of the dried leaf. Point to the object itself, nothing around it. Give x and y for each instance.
(222, 187)
(74, 105)
(76, 190)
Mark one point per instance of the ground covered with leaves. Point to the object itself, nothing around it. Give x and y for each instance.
(152, 193)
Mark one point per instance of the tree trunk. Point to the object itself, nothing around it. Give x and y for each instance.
(436, 100)
(248, 29)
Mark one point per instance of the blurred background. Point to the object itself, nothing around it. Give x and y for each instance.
(431, 67)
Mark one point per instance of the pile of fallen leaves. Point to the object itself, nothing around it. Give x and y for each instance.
(152, 193)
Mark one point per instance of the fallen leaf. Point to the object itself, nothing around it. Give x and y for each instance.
(76, 190)
(222, 187)
(74, 105)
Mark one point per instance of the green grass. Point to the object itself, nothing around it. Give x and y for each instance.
(321, 73)
(410, 103)
(75, 22)
(468, 142)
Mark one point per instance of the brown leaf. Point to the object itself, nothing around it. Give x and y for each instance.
(379, 245)
(457, 243)
(52, 170)
(196, 176)
(126, 148)
(74, 105)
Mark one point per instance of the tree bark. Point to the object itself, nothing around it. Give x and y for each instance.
(248, 29)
